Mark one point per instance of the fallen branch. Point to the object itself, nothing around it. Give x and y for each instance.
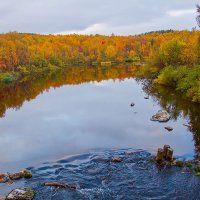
(60, 185)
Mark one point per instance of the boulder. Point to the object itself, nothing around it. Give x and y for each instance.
(4, 178)
(21, 194)
(23, 174)
(160, 155)
(161, 116)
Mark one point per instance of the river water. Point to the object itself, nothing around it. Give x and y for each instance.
(86, 109)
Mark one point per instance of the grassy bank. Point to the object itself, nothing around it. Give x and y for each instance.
(183, 79)
(9, 77)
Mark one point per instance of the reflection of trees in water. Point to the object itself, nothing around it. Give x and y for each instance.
(174, 103)
(29, 87)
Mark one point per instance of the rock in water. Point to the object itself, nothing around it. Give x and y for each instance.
(132, 104)
(116, 160)
(161, 116)
(169, 128)
(21, 194)
(166, 147)
(160, 155)
(169, 155)
(4, 178)
(60, 185)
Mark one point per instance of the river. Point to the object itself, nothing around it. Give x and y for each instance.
(86, 109)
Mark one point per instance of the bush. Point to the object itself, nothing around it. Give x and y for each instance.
(7, 77)
(183, 79)
(23, 69)
(166, 77)
(169, 54)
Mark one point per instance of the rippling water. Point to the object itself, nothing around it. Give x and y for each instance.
(136, 177)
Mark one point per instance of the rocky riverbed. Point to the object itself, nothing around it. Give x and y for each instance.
(110, 174)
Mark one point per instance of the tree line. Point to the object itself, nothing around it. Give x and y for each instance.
(18, 50)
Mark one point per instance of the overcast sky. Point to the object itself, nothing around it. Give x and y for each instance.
(121, 17)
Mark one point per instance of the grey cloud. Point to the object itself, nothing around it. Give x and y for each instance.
(54, 16)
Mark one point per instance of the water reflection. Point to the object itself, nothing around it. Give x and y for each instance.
(178, 107)
(79, 109)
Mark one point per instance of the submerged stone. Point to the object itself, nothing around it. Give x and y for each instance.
(60, 185)
(21, 194)
(161, 116)
(116, 160)
(128, 153)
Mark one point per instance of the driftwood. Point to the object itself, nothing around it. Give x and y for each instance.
(60, 185)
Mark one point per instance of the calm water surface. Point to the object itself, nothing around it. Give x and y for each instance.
(84, 109)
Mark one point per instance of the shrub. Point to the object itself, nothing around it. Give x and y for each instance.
(7, 77)
(183, 79)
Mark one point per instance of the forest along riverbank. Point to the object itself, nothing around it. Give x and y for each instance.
(171, 51)
(109, 174)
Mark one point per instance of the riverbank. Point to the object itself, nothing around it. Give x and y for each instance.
(31, 70)
(183, 79)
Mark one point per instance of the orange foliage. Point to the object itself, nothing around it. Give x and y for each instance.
(40, 50)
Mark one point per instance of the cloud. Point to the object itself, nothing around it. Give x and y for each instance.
(179, 13)
(93, 29)
(95, 16)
